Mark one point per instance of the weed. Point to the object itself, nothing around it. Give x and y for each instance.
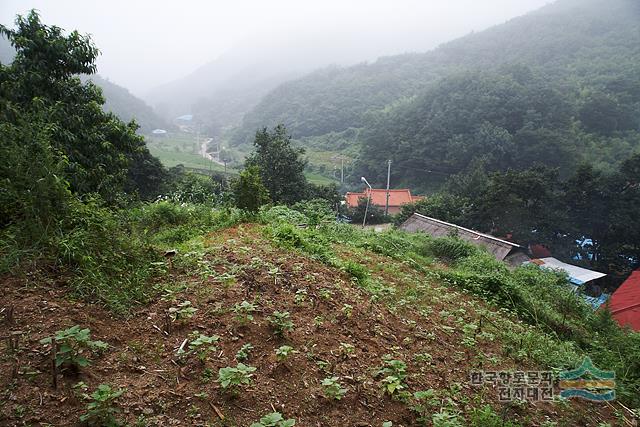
(274, 419)
(332, 388)
(101, 410)
(281, 322)
(243, 354)
(71, 345)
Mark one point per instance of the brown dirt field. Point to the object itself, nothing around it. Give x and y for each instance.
(165, 390)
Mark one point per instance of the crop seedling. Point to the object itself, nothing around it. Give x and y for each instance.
(202, 345)
(301, 296)
(244, 312)
(233, 378)
(281, 322)
(332, 388)
(101, 410)
(274, 419)
(347, 309)
(70, 346)
(394, 372)
(243, 353)
(422, 403)
(275, 272)
(283, 352)
(183, 311)
(347, 350)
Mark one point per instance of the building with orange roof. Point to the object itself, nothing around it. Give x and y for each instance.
(397, 198)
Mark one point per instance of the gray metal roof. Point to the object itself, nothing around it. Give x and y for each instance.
(436, 228)
(577, 275)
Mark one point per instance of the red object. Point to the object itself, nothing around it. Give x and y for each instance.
(397, 198)
(625, 302)
(540, 251)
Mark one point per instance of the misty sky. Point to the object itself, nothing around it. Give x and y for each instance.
(145, 43)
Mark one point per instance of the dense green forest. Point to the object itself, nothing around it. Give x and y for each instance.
(557, 86)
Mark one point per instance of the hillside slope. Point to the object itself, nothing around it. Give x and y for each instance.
(378, 311)
(127, 106)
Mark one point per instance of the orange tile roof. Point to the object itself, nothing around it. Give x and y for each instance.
(379, 197)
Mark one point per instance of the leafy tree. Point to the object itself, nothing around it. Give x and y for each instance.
(94, 151)
(249, 191)
(281, 166)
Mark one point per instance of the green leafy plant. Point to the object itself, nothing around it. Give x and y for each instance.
(183, 311)
(243, 353)
(274, 419)
(347, 350)
(347, 309)
(301, 296)
(244, 312)
(283, 352)
(71, 346)
(394, 372)
(231, 378)
(332, 388)
(422, 402)
(201, 345)
(101, 410)
(281, 322)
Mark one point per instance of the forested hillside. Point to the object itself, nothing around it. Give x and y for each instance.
(127, 107)
(557, 86)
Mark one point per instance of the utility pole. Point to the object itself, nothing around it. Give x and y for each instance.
(386, 208)
(341, 170)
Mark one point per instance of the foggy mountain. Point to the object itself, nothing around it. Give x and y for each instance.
(127, 106)
(557, 86)
(558, 37)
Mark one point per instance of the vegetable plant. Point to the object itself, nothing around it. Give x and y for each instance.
(243, 353)
(231, 378)
(274, 419)
(281, 322)
(101, 410)
(283, 352)
(244, 312)
(394, 373)
(72, 345)
(202, 345)
(183, 311)
(332, 388)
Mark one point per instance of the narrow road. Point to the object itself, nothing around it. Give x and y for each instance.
(203, 151)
